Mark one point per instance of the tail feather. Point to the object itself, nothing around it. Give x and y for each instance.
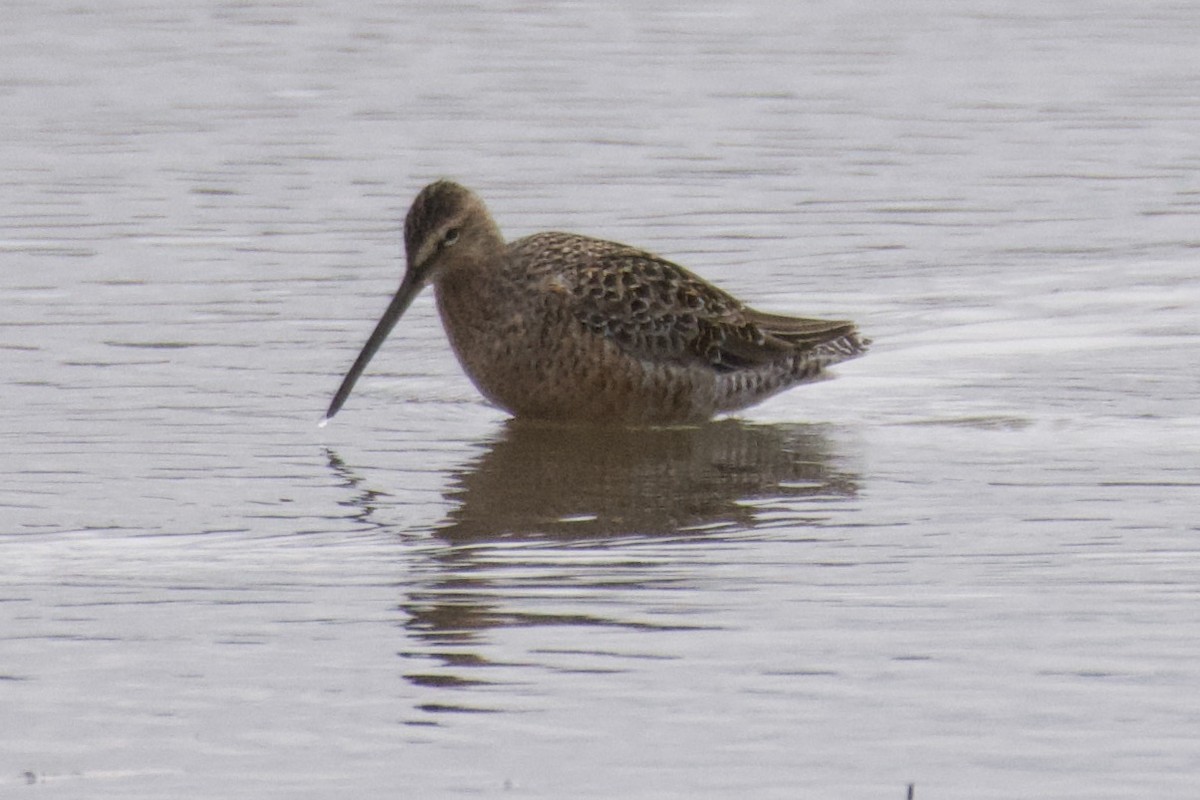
(835, 340)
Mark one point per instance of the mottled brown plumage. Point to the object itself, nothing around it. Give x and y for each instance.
(566, 327)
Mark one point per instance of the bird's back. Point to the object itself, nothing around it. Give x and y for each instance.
(657, 310)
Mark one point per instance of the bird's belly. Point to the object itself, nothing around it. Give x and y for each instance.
(557, 370)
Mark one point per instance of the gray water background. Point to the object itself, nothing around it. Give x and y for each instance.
(969, 563)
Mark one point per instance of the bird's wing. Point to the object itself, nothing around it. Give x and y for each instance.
(658, 311)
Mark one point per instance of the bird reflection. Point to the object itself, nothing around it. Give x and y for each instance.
(547, 486)
(577, 483)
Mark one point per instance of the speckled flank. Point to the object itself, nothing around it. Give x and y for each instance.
(567, 327)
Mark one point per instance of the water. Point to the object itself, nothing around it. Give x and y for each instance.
(970, 563)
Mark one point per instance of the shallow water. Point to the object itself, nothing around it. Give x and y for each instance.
(969, 563)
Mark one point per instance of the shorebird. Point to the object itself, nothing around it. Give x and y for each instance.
(559, 326)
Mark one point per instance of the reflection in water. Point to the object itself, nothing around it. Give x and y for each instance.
(540, 513)
(364, 500)
(540, 480)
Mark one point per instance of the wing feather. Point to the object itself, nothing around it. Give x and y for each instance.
(656, 310)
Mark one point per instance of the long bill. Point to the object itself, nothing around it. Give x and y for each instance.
(409, 289)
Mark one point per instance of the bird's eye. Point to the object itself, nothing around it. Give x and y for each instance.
(450, 237)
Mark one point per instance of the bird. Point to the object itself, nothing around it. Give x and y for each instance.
(568, 328)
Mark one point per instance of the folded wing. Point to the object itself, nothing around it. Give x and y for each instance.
(656, 310)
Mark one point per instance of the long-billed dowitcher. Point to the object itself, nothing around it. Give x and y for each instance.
(560, 326)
